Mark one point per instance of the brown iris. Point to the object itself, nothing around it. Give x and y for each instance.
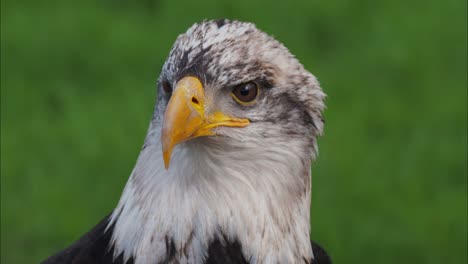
(245, 93)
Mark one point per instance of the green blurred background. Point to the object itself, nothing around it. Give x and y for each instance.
(390, 184)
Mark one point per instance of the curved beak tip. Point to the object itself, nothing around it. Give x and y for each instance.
(166, 149)
(167, 159)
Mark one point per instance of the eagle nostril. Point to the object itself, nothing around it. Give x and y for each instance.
(195, 101)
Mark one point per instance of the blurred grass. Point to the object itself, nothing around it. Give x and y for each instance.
(390, 185)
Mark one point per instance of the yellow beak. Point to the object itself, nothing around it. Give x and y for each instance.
(185, 117)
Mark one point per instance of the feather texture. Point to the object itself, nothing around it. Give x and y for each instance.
(95, 248)
(242, 196)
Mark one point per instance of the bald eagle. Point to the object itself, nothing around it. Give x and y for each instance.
(224, 174)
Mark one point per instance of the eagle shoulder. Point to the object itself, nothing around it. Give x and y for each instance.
(320, 255)
(92, 248)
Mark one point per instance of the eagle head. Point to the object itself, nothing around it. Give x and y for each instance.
(238, 87)
(227, 155)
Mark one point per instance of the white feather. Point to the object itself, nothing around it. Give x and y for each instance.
(250, 191)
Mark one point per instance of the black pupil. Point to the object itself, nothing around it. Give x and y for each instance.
(245, 90)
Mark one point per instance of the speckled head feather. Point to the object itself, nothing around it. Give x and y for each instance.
(250, 185)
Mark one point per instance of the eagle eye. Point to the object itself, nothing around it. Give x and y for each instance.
(167, 87)
(245, 93)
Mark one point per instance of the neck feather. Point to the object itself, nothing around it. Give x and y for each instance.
(255, 193)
